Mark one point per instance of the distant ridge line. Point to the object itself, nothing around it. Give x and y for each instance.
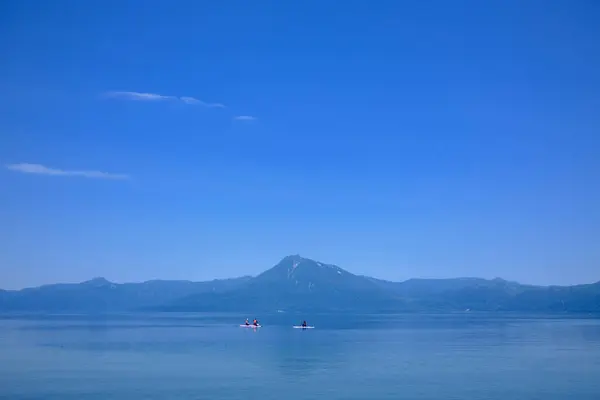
(302, 284)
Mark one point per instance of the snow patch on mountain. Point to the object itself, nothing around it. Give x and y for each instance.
(293, 268)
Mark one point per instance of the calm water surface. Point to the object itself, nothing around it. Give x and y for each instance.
(208, 356)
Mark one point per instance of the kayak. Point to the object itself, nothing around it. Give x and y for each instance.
(250, 326)
(303, 327)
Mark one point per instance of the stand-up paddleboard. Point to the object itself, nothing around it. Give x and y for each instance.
(303, 327)
(250, 326)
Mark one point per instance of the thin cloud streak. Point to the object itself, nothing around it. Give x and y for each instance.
(244, 118)
(139, 96)
(39, 169)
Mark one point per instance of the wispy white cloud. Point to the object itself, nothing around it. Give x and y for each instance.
(138, 96)
(194, 101)
(39, 169)
(244, 118)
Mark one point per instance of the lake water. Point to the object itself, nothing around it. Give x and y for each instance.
(208, 356)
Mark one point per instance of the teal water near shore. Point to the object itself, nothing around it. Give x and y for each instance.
(208, 356)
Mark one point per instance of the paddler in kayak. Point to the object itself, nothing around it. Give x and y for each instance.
(247, 323)
(304, 324)
(255, 322)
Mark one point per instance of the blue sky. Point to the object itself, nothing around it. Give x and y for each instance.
(194, 140)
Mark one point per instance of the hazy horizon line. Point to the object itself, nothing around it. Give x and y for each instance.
(249, 276)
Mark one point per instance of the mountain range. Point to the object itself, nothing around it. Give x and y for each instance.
(301, 284)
